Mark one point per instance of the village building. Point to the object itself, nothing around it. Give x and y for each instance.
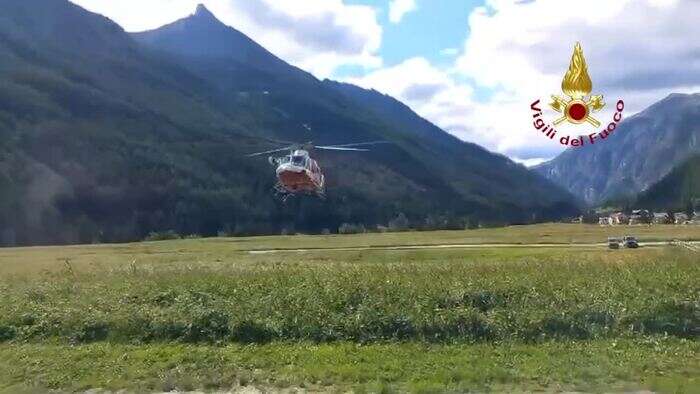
(696, 219)
(619, 218)
(661, 218)
(680, 218)
(640, 216)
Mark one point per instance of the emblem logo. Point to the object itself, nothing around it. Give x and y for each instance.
(578, 86)
(577, 107)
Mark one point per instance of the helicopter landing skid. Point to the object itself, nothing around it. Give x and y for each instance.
(283, 194)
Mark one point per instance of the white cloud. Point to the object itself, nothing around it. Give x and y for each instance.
(638, 50)
(315, 35)
(399, 8)
(635, 50)
(429, 91)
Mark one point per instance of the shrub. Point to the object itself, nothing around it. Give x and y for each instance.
(399, 223)
(251, 332)
(209, 326)
(90, 332)
(167, 330)
(485, 300)
(162, 236)
(584, 324)
(7, 333)
(347, 228)
(679, 318)
(459, 324)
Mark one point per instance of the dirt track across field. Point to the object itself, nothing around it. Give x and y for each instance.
(463, 246)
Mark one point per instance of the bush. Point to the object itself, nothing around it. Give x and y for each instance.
(584, 324)
(209, 326)
(251, 332)
(90, 332)
(679, 318)
(162, 236)
(399, 223)
(347, 228)
(7, 333)
(459, 324)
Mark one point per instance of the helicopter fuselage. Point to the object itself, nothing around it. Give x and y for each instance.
(299, 173)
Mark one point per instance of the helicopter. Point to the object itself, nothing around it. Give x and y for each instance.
(297, 173)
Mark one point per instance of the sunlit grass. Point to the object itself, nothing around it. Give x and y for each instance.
(202, 314)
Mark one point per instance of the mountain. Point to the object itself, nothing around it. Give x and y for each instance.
(643, 149)
(107, 136)
(203, 35)
(490, 179)
(678, 190)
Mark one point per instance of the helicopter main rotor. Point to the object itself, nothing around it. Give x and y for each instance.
(309, 146)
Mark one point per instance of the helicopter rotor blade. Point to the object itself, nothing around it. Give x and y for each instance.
(361, 144)
(341, 148)
(358, 144)
(271, 151)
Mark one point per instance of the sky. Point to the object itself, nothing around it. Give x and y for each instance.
(472, 67)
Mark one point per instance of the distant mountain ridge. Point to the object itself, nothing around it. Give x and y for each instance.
(679, 190)
(203, 39)
(643, 149)
(108, 136)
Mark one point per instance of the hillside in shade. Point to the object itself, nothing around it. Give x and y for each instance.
(679, 190)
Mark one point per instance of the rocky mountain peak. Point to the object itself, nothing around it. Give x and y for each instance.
(202, 12)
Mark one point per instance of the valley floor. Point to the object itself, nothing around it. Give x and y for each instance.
(210, 315)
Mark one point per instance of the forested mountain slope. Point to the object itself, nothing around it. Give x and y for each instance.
(108, 136)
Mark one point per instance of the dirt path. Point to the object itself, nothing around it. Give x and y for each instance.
(461, 246)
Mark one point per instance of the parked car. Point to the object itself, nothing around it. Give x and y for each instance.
(631, 242)
(613, 243)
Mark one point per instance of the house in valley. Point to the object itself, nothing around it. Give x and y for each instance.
(605, 221)
(619, 218)
(640, 216)
(680, 218)
(661, 218)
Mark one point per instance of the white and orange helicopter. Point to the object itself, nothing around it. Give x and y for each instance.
(298, 173)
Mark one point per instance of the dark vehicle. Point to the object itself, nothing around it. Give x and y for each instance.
(631, 242)
(614, 243)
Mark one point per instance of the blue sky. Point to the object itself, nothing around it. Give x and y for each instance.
(432, 27)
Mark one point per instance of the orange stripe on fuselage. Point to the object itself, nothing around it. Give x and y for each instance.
(296, 181)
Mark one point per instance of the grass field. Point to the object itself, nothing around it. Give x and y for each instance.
(207, 314)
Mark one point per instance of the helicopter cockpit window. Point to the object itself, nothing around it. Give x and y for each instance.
(299, 161)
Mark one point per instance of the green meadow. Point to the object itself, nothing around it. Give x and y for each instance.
(206, 314)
